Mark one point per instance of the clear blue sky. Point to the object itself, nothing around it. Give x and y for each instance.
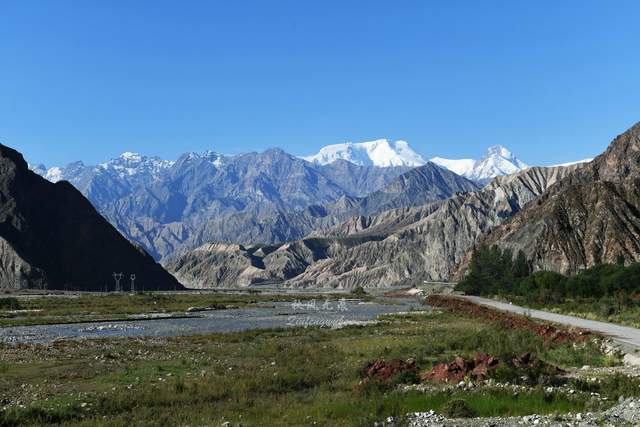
(86, 80)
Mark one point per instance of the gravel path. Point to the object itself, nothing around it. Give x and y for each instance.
(627, 336)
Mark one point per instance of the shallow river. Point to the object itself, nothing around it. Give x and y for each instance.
(259, 316)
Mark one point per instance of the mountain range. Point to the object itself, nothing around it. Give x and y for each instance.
(343, 219)
(170, 207)
(380, 153)
(563, 218)
(405, 244)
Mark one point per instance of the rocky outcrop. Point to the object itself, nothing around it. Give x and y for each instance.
(407, 244)
(590, 217)
(424, 243)
(219, 264)
(457, 370)
(51, 237)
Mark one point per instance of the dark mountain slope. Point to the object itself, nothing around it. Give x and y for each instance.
(51, 237)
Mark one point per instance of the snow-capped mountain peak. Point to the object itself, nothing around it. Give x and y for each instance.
(130, 156)
(53, 174)
(381, 152)
(210, 156)
(129, 164)
(501, 151)
(497, 161)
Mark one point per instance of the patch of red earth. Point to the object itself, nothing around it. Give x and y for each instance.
(481, 366)
(380, 370)
(550, 333)
(460, 368)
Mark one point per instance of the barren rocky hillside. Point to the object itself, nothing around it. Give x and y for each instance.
(591, 217)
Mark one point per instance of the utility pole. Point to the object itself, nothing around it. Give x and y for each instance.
(117, 277)
(133, 285)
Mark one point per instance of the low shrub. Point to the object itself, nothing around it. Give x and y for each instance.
(611, 387)
(9, 303)
(458, 408)
(358, 290)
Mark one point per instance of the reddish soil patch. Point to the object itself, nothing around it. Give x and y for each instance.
(459, 368)
(380, 370)
(481, 366)
(550, 333)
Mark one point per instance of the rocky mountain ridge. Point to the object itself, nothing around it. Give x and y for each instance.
(590, 217)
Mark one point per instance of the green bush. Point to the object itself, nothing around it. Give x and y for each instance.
(547, 287)
(358, 290)
(611, 387)
(9, 303)
(495, 271)
(458, 408)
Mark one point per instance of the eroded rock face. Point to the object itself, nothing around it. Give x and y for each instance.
(591, 217)
(424, 242)
(51, 237)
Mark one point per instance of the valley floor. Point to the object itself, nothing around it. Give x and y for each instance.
(22, 309)
(299, 376)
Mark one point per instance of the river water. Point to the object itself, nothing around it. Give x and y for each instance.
(334, 314)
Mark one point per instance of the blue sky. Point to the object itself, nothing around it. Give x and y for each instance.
(87, 80)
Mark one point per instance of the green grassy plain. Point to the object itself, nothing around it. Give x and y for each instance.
(284, 377)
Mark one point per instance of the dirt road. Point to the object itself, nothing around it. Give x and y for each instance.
(628, 337)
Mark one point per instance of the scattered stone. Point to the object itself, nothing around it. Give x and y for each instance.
(424, 418)
(627, 411)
